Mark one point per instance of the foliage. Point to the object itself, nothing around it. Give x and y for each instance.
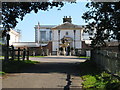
(95, 78)
(72, 48)
(61, 49)
(100, 80)
(84, 57)
(2, 73)
(15, 65)
(103, 19)
(89, 81)
(13, 10)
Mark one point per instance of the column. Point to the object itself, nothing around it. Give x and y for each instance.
(74, 38)
(74, 41)
(38, 31)
(58, 40)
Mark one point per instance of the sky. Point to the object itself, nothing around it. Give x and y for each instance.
(51, 17)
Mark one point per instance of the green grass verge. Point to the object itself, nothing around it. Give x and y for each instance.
(16, 66)
(84, 57)
(94, 78)
(37, 56)
(2, 73)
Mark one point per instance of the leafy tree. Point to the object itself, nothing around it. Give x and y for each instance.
(11, 11)
(104, 19)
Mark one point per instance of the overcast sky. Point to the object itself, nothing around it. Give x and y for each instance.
(51, 17)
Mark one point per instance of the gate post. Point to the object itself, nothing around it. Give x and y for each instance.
(18, 54)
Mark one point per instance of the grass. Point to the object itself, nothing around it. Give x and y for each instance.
(2, 73)
(84, 57)
(36, 56)
(94, 78)
(16, 66)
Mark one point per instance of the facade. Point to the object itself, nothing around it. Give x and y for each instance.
(14, 36)
(66, 30)
(43, 33)
(66, 38)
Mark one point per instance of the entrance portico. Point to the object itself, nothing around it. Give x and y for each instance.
(65, 46)
(68, 33)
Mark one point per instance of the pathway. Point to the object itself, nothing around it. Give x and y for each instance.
(52, 72)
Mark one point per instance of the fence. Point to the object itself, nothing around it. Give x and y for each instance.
(20, 54)
(108, 60)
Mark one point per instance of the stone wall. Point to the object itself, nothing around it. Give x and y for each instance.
(107, 60)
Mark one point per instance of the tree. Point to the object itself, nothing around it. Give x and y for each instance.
(11, 11)
(104, 17)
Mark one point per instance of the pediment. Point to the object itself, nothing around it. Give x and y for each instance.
(66, 25)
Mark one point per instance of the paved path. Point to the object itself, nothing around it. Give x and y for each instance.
(52, 72)
(58, 59)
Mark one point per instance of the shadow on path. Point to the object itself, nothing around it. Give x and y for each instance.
(71, 68)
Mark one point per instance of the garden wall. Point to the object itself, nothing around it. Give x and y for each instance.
(107, 60)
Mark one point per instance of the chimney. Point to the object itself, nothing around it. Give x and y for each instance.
(67, 19)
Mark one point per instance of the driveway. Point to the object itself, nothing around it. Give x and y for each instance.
(56, 72)
(58, 59)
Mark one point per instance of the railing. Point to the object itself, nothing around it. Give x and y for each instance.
(19, 54)
(108, 60)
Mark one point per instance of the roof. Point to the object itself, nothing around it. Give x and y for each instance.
(14, 32)
(26, 44)
(45, 26)
(67, 25)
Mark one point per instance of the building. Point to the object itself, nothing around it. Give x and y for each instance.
(65, 38)
(14, 36)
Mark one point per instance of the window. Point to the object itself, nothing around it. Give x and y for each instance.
(50, 35)
(66, 33)
(43, 35)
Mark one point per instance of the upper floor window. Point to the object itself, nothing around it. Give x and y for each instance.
(66, 33)
(43, 35)
(50, 35)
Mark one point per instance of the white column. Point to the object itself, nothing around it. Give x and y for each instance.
(38, 38)
(38, 31)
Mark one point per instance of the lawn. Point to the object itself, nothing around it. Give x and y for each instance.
(2, 73)
(84, 57)
(95, 78)
(16, 66)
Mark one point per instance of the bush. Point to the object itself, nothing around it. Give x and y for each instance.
(102, 81)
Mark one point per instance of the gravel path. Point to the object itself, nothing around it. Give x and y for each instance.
(52, 72)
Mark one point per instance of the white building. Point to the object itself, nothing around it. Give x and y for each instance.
(71, 33)
(14, 36)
